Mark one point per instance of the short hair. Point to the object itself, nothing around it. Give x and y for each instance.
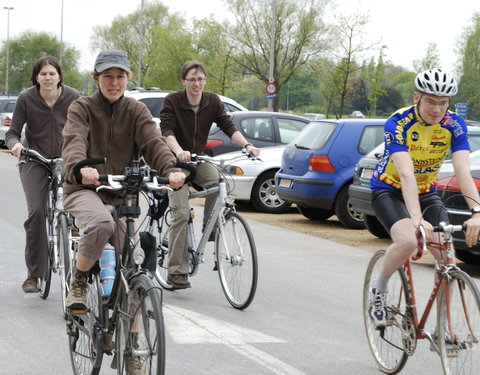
(189, 65)
(40, 63)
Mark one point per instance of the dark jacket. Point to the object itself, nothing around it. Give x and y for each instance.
(191, 128)
(119, 131)
(44, 125)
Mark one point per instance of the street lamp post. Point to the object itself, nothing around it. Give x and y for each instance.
(8, 51)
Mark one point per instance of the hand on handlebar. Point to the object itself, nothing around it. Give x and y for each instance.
(184, 156)
(90, 176)
(473, 230)
(254, 151)
(176, 179)
(17, 151)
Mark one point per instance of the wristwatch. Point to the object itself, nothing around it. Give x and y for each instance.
(249, 144)
(475, 210)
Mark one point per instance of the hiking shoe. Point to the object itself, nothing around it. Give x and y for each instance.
(135, 365)
(77, 295)
(377, 310)
(30, 285)
(178, 281)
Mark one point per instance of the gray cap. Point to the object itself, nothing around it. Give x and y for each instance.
(112, 59)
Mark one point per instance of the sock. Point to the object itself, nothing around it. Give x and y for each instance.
(381, 283)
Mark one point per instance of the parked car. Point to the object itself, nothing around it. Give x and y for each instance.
(314, 116)
(153, 99)
(357, 114)
(253, 181)
(317, 167)
(262, 129)
(7, 103)
(361, 195)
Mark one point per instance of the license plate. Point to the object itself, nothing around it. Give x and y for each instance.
(285, 183)
(367, 173)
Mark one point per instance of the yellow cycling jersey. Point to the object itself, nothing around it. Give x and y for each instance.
(427, 145)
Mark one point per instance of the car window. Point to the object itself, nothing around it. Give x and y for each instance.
(371, 137)
(474, 140)
(289, 129)
(154, 105)
(10, 106)
(230, 107)
(258, 128)
(315, 135)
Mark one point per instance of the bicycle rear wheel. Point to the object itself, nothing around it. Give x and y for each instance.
(163, 252)
(85, 337)
(236, 257)
(63, 248)
(140, 333)
(44, 282)
(386, 343)
(459, 341)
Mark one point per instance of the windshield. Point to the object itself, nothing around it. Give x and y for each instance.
(315, 135)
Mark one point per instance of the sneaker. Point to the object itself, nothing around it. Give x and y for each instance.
(135, 366)
(448, 341)
(377, 310)
(178, 281)
(30, 285)
(77, 295)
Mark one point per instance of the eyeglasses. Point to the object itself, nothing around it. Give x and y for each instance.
(193, 80)
(432, 104)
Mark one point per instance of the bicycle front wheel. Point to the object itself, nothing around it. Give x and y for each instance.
(236, 257)
(63, 248)
(163, 252)
(140, 334)
(387, 343)
(85, 338)
(459, 326)
(44, 282)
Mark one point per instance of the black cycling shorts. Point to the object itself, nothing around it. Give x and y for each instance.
(389, 207)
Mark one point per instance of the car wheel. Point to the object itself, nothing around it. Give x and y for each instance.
(347, 215)
(265, 197)
(375, 227)
(314, 213)
(467, 257)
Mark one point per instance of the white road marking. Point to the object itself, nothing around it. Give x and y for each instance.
(189, 327)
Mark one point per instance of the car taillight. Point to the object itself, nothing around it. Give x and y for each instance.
(451, 183)
(320, 163)
(212, 143)
(7, 121)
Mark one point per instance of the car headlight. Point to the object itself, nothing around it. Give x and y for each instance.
(233, 169)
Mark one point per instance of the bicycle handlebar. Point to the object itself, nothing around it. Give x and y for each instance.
(442, 227)
(84, 163)
(37, 156)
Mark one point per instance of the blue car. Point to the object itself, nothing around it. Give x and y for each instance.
(317, 167)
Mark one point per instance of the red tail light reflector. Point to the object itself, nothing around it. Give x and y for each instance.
(212, 143)
(320, 163)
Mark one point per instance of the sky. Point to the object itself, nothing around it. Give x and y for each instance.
(405, 26)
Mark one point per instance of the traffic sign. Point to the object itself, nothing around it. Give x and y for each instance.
(461, 109)
(271, 88)
(271, 96)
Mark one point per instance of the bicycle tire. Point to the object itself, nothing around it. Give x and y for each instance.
(460, 355)
(63, 248)
(45, 282)
(387, 351)
(163, 252)
(85, 337)
(236, 257)
(140, 311)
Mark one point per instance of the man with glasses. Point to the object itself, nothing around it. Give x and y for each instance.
(417, 140)
(185, 120)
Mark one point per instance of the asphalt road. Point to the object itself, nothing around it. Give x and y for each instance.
(306, 317)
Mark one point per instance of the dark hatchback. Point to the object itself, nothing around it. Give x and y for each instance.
(262, 129)
(317, 167)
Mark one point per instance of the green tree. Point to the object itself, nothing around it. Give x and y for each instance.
(26, 49)
(300, 34)
(469, 84)
(375, 75)
(430, 61)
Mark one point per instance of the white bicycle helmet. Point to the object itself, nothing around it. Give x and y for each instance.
(436, 82)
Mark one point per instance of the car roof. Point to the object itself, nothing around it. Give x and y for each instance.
(267, 114)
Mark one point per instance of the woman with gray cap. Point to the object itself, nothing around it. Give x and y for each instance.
(106, 124)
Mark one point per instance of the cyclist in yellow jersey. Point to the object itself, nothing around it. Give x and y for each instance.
(417, 139)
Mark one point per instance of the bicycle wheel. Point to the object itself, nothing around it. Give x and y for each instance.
(63, 248)
(459, 341)
(140, 334)
(163, 253)
(387, 343)
(44, 282)
(236, 257)
(85, 339)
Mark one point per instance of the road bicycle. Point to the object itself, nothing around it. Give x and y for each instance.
(456, 337)
(128, 323)
(57, 224)
(234, 245)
